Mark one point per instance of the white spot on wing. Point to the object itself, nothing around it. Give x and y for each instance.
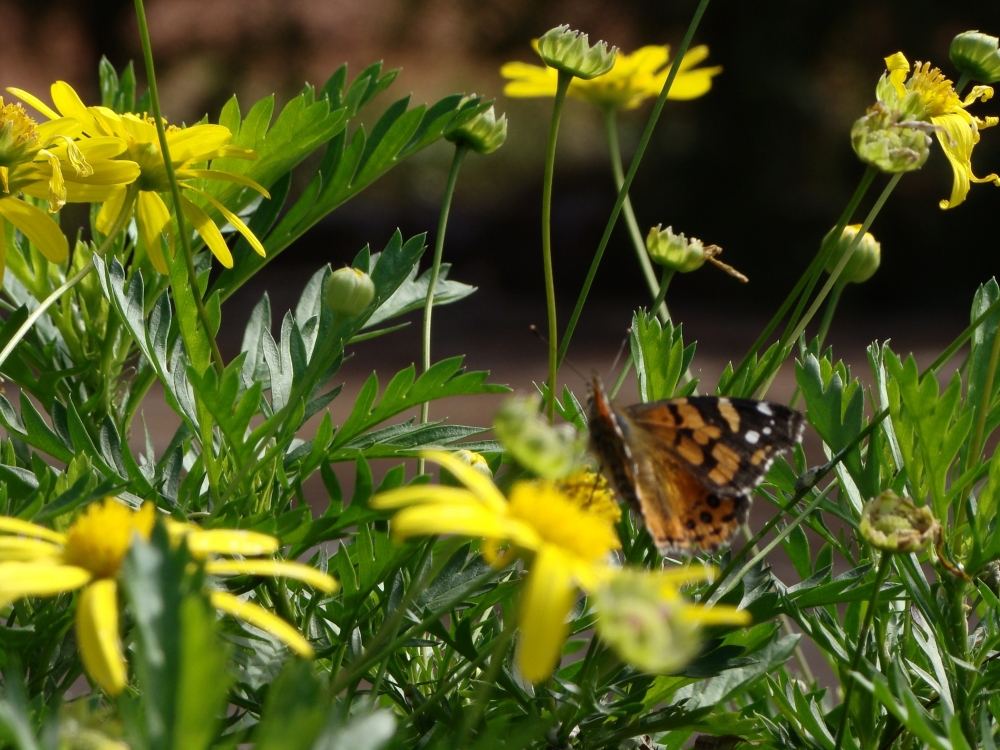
(766, 430)
(752, 437)
(765, 408)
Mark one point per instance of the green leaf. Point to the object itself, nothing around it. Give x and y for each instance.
(203, 680)
(412, 295)
(295, 710)
(905, 707)
(660, 357)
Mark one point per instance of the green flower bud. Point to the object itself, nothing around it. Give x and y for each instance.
(976, 55)
(885, 140)
(483, 133)
(864, 261)
(570, 52)
(643, 626)
(894, 524)
(675, 250)
(349, 291)
(551, 452)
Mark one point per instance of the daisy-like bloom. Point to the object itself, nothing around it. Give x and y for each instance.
(633, 79)
(36, 561)
(189, 147)
(926, 95)
(45, 161)
(644, 617)
(566, 546)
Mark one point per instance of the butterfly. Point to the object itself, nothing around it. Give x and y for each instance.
(687, 466)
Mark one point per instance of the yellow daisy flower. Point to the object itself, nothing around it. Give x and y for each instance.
(567, 545)
(928, 96)
(633, 79)
(45, 161)
(189, 147)
(36, 561)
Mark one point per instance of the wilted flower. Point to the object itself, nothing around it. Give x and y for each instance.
(571, 52)
(864, 261)
(976, 55)
(894, 524)
(188, 147)
(644, 617)
(684, 255)
(349, 291)
(546, 450)
(483, 133)
(884, 139)
(633, 79)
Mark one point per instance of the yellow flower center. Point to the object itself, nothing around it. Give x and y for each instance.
(18, 137)
(936, 92)
(591, 492)
(560, 520)
(99, 539)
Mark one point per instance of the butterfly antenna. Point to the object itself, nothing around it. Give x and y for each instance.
(569, 363)
(621, 350)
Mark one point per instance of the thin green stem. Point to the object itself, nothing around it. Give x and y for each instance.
(122, 219)
(175, 192)
(550, 285)
(611, 129)
(884, 567)
(460, 150)
(623, 191)
(661, 294)
(808, 278)
(620, 380)
(831, 308)
(963, 81)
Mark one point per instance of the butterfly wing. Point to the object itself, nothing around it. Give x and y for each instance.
(726, 444)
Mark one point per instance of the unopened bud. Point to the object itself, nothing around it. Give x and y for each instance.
(894, 524)
(483, 133)
(682, 254)
(474, 460)
(551, 452)
(865, 259)
(571, 52)
(349, 291)
(976, 55)
(885, 140)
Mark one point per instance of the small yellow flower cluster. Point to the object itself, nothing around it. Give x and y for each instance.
(564, 531)
(36, 561)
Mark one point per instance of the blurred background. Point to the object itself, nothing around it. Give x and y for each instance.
(762, 165)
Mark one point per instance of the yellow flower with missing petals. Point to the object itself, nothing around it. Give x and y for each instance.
(566, 545)
(44, 160)
(36, 561)
(633, 79)
(188, 147)
(926, 95)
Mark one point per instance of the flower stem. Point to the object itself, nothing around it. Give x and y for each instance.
(623, 191)
(885, 566)
(123, 216)
(175, 192)
(460, 150)
(784, 342)
(962, 83)
(808, 278)
(611, 129)
(550, 286)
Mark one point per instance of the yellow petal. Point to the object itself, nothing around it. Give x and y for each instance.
(957, 139)
(230, 542)
(20, 548)
(153, 221)
(38, 227)
(423, 493)
(235, 220)
(898, 67)
(68, 103)
(102, 147)
(276, 568)
(19, 579)
(3, 240)
(720, 614)
(224, 176)
(448, 519)
(108, 214)
(65, 126)
(204, 225)
(57, 185)
(35, 102)
(26, 528)
(262, 619)
(196, 142)
(97, 635)
(108, 172)
(548, 595)
(481, 485)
